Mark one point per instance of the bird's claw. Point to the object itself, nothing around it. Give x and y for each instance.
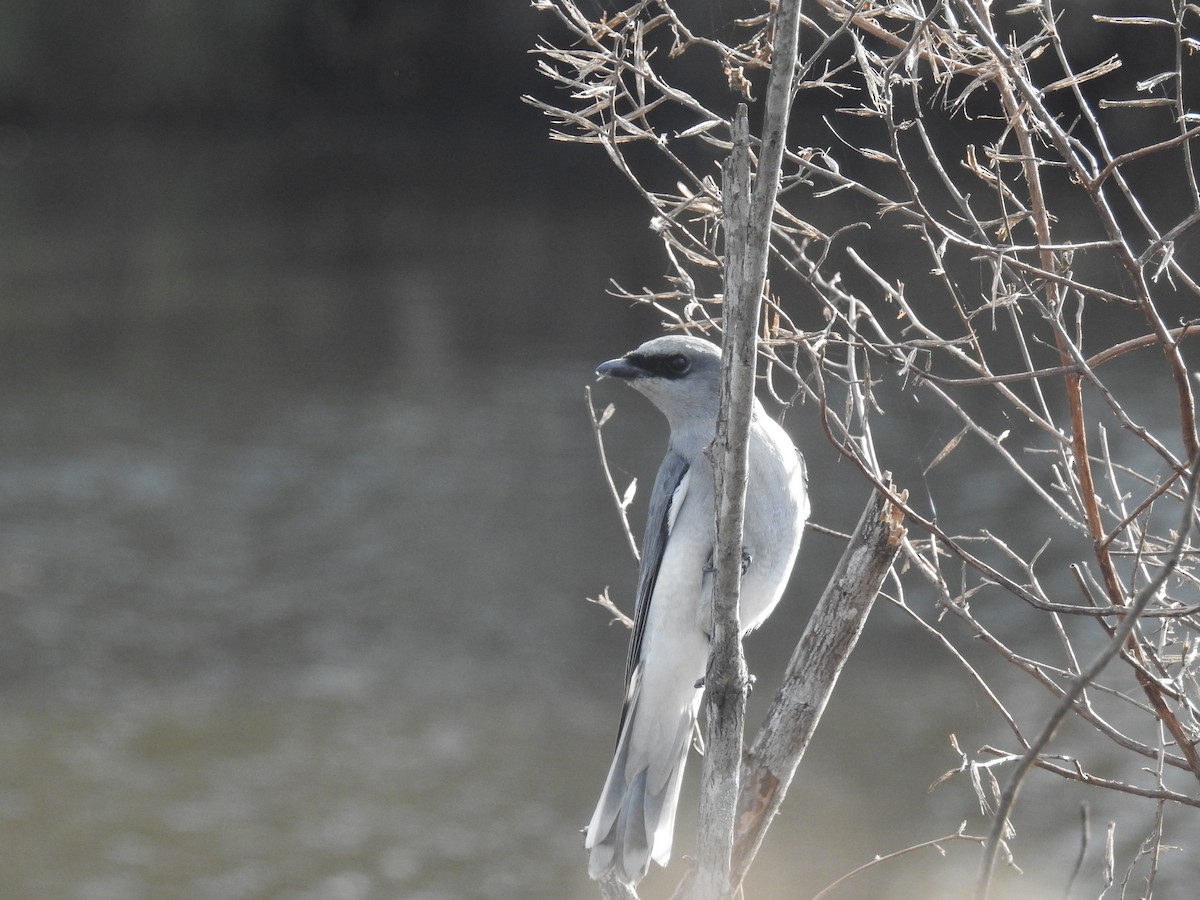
(747, 558)
(750, 680)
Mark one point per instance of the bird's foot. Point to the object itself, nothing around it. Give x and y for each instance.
(747, 558)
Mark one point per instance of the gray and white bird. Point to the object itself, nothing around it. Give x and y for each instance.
(668, 652)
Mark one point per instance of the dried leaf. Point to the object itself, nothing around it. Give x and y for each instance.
(1097, 71)
(877, 155)
(1150, 83)
(629, 494)
(947, 450)
(703, 127)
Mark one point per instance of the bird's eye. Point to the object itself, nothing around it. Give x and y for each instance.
(678, 364)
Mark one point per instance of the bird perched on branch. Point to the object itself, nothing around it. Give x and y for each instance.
(668, 652)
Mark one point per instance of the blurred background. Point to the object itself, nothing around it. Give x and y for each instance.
(299, 501)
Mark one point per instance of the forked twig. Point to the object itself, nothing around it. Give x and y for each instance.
(1120, 635)
(622, 501)
(936, 844)
(944, 284)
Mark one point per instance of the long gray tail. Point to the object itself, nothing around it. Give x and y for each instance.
(634, 821)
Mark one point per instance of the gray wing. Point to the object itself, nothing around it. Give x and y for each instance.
(661, 517)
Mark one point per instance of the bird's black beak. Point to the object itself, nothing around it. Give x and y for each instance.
(619, 368)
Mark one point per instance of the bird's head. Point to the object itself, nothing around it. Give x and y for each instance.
(680, 374)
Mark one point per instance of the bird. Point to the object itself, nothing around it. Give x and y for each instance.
(634, 820)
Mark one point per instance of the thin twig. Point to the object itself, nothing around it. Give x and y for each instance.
(1078, 685)
(1085, 828)
(621, 501)
(1005, 305)
(936, 843)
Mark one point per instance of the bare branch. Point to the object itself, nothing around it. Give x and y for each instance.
(970, 304)
(936, 844)
(832, 631)
(1120, 635)
(621, 500)
(726, 678)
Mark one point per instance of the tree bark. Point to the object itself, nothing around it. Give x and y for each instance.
(827, 642)
(748, 218)
(726, 676)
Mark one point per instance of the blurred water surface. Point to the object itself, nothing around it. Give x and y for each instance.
(298, 508)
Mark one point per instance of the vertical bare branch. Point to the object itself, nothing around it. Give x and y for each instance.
(748, 223)
(726, 677)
